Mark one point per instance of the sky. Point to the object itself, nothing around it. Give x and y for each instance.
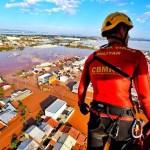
(72, 17)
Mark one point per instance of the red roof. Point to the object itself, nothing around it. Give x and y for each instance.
(53, 123)
(15, 104)
(79, 147)
(81, 138)
(71, 131)
(2, 84)
(36, 71)
(76, 147)
(65, 129)
(52, 142)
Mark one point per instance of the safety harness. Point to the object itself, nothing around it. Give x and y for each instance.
(99, 107)
(111, 66)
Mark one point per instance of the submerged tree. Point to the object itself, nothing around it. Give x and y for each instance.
(14, 142)
(23, 109)
(1, 92)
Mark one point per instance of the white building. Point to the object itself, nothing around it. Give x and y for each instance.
(63, 78)
(60, 146)
(8, 106)
(28, 145)
(46, 128)
(75, 88)
(6, 87)
(81, 62)
(8, 112)
(1, 80)
(5, 100)
(45, 64)
(36, 134)
(7, 116)
(66, 68)
(11, 38)
(1, 43)
(57, 135)
(66, 142)
(55, 109)
(20, 95)
(44, 78)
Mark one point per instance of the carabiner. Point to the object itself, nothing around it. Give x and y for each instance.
(137, 127)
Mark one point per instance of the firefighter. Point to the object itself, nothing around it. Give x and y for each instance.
(112, 112)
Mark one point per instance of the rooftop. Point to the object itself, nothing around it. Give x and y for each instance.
(35, 133)
(53, 123)
(81, 138)
(7, 116)
(47, 75)
(55, 106)
(71, 131)
(28, 144)
(8, 106)
(47, 128)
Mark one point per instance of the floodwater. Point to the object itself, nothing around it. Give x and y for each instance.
(139, 44)
(15, 60)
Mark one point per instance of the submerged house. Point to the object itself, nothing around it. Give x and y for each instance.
(21, 94)
(46, 78)
(55, 109)
(28, 145)
(66, 142)
(36, 134)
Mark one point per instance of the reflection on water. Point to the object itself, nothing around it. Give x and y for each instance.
(17, 60)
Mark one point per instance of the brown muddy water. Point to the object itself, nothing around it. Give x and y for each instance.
(15, 60)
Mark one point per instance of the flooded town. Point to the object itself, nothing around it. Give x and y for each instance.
(74, 75)
(39, 79)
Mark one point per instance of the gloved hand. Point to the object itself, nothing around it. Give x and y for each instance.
(84, 108)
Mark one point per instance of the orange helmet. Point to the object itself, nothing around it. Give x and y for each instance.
(113, 20)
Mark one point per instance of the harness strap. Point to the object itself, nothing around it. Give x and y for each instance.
(112, 67)
(111, 109)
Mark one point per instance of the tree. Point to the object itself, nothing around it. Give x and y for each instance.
(1, 92)
(1, 95)
(20, 105)
(23, 109)
(14, 142)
